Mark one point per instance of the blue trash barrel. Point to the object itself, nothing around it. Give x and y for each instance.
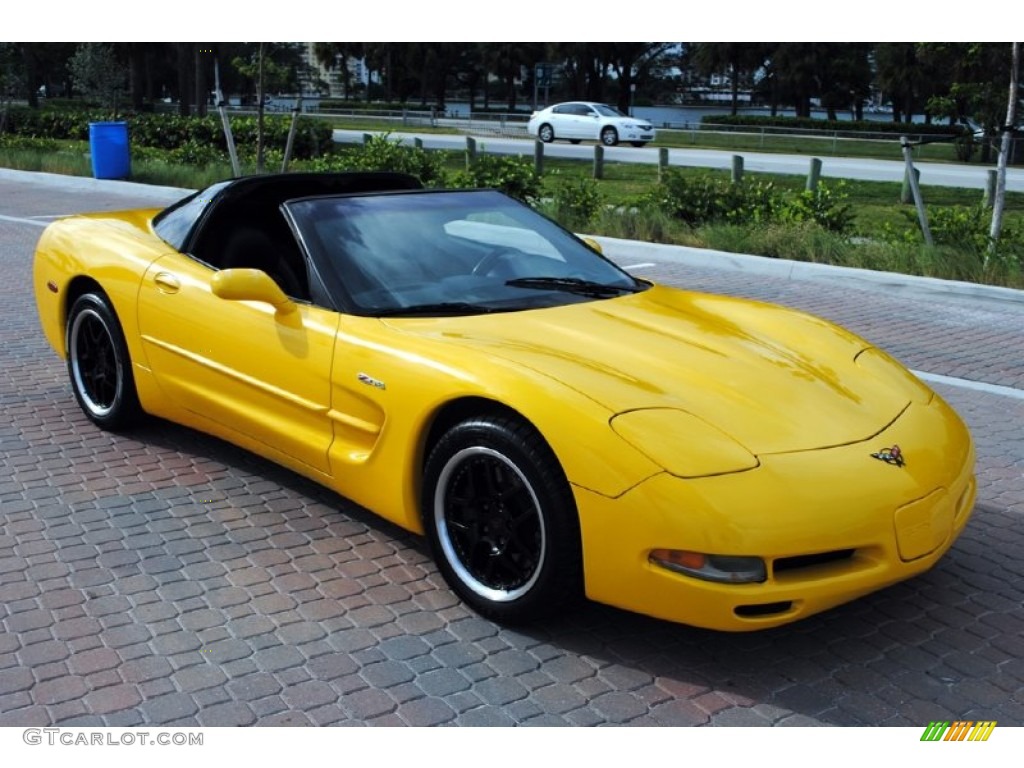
(108, 144)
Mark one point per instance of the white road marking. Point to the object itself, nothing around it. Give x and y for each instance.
(16, 220)
(979, 386)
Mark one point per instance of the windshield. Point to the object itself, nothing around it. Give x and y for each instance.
(449, 252)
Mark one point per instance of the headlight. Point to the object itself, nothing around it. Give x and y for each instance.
(727, 569)
(681, 443)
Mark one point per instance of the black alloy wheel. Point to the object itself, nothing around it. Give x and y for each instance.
(501, 520)
(98, 363)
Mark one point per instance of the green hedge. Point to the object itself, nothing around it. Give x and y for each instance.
(172, 132)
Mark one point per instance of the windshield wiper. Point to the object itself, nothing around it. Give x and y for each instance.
(440, 308)
(573, 285)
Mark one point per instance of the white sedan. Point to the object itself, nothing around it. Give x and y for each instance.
(575, 121)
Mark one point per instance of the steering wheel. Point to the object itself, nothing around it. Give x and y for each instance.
(491, 264)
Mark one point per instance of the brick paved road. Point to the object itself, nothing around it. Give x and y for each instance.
(168, 578)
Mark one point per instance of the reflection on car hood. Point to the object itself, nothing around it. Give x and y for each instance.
(774, 379)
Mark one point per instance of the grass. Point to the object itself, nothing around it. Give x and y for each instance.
(876, 206)
(69, 161)
(823, 145)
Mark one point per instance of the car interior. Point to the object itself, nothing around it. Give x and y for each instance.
(247, 229)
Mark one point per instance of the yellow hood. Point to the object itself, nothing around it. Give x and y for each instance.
(773, 379)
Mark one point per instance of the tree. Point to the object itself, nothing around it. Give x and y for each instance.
(903, 78)
(98, 75)
(974, 78)
(1004, 151)
(10, 79)
(838, 75)
(739, 60)
(632, 63)
(585, 66)
(507, 61)
(335, 56)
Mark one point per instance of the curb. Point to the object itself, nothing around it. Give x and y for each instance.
(619, 249)
(88, 184)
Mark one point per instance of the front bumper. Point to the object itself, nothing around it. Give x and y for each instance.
(831, 524)
(637, 134)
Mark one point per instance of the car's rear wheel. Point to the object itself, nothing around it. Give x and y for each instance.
(609, 136)
(546, 133)
(501, 520)
(98, 363)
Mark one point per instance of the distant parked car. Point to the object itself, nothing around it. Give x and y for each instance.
(575, 121)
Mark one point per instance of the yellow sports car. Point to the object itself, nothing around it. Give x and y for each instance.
(469, 370)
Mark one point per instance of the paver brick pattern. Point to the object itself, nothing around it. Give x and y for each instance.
(165, 577)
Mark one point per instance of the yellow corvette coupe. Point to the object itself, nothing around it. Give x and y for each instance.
(469, 370)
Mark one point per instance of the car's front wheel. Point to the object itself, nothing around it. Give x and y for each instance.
(546, 133)
(98, 363)
(501, 519)
(609, 136)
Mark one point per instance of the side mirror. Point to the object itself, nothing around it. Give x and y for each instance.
(251, 285)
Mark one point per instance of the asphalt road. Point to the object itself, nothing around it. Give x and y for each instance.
(934, 174)
(166, 578)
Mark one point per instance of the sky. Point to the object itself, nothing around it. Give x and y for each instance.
(462, 20)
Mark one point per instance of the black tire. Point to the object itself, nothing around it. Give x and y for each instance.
(638, 143)
(546, 133)
(574, 141)
(501, 520)
(609, 136)
(98, 364)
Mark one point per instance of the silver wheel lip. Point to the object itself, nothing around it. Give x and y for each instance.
(97, 410)
(448, 548)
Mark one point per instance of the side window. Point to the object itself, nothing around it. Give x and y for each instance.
(255, 236)
(563, 109)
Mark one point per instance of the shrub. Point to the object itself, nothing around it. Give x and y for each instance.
(575, 202)
(163, 131)
(515, 176)
(26, 142)
(380, 153)
(195, 153)
(704, 199)
(825, 206)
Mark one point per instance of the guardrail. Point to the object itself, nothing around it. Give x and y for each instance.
(512, 124)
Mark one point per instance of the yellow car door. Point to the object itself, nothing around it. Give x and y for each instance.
(246, 365)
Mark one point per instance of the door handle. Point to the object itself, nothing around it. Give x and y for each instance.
(166, 282)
